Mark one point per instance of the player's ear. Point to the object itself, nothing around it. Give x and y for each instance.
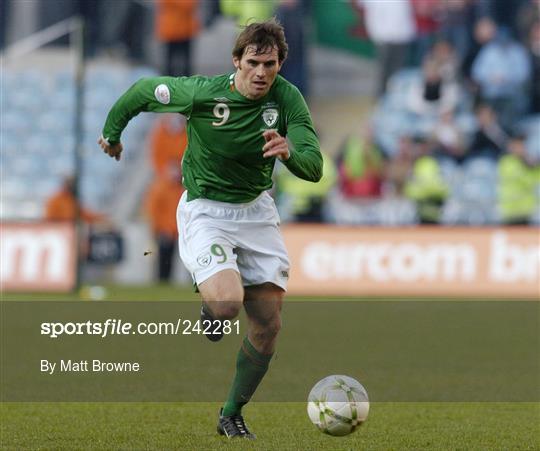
(236, 62)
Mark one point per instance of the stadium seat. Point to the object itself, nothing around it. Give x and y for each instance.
(466, 121)
(15, 120)
(532, 130)
(477, 190)
(55, 121)
(46, 187)
(389, 212)
(48, 102)
(469, 212)
(404, 78)
(481, 168)
(397, 211)
(535, 218)
(389, 125)
(12, 189)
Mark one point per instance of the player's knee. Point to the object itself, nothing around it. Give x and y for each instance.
(274, 327)
(268, 331)
(223, 310)
(224, 300)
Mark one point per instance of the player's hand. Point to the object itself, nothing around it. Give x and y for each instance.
(114, 150)
(276, 145)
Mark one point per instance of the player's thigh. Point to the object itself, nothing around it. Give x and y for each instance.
(205, 248)
(262, 257)
(209, 255)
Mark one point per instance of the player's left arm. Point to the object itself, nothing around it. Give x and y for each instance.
(303, 156)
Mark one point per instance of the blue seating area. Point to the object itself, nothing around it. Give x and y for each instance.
(387, 211)
(38, 142)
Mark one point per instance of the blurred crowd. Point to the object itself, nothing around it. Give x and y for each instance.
(456, 101)
(123, 28)
(473, 99)
(457, 94)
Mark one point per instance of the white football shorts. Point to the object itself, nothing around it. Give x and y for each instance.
(214, 236)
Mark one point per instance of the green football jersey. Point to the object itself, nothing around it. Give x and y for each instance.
(224, 158)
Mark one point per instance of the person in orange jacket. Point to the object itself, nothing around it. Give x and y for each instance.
(168, 142)
(62, 205)
(161, 202)
(177, 24)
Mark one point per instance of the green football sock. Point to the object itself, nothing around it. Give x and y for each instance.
(251, 366)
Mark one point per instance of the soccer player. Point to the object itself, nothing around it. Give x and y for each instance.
(238, 124)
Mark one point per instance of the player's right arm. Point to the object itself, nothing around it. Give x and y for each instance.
(156, 94)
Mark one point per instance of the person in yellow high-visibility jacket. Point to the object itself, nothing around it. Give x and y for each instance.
(518, 178)
(247, 11)
(428, 189)
(304, 201)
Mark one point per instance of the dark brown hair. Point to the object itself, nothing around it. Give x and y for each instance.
(264, 36)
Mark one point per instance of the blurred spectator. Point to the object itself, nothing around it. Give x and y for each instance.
(161, 203)
(360, 168)
(504, 12)
(49, 13)
(517, 200)
(399, 168)
(534, 52)
(527, 15)
(62, 205)
(124, 25)
(391, 26)
(502, 69)
(4, 21)
(426, 16)
(427, 187)
(490, 138)
(210, 12)
(449, 137)
(90, 12)
(168, 142)
(484, 32)
(290, 14)
(432, 94)
(302, 201)
(446, 59)
(457, 20)
(177, 24)
(248, 11)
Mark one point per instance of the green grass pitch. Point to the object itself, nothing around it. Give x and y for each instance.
(278, 425)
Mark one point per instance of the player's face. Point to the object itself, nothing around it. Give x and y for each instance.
(256, 72)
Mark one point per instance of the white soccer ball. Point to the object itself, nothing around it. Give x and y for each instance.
(338, 405)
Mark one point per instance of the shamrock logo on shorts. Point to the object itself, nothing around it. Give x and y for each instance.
(204, 259)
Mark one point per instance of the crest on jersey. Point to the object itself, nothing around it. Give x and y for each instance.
(270, 116)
